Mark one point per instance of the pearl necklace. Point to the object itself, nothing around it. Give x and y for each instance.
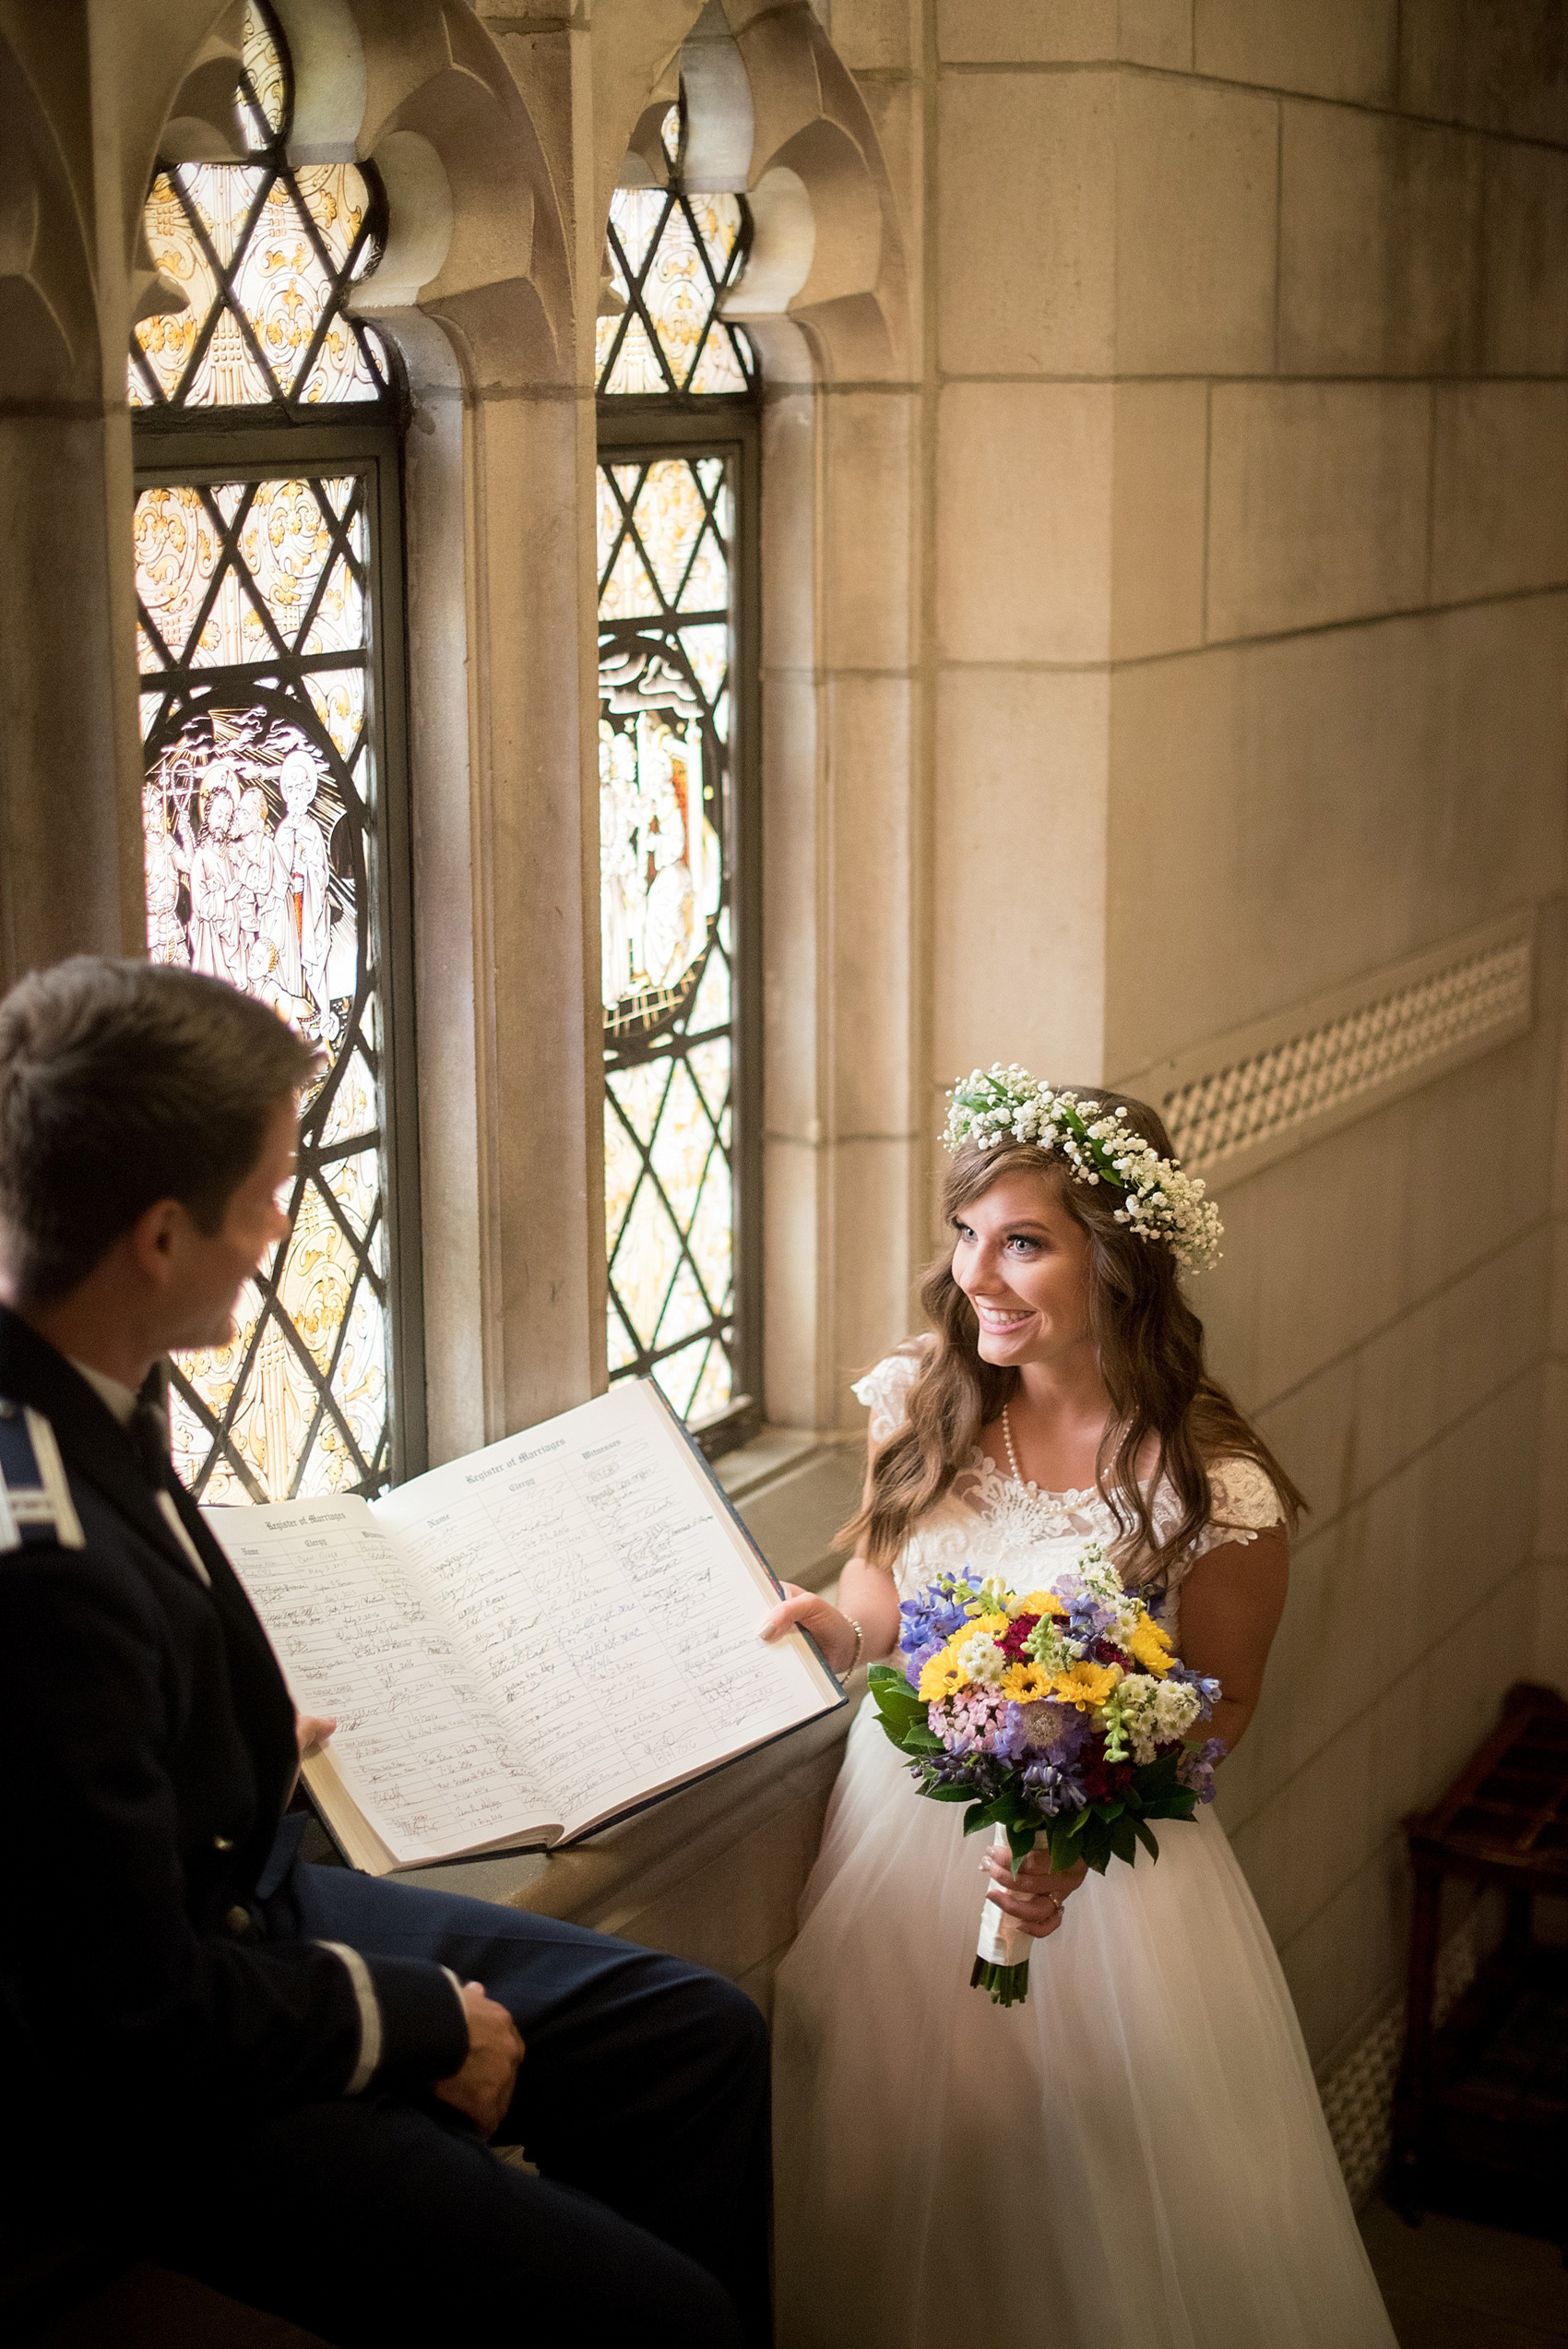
(1007, 1439)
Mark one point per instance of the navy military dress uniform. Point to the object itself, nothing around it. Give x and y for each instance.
(221, 2058)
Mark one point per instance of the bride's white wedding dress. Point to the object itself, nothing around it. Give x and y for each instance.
(1135, 2158)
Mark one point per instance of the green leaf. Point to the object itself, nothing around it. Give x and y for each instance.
(918, 1739)
(1146, 1839)
(985, 1815)
(948, 1794)
(1123, 1843)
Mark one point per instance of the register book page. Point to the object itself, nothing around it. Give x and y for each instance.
(597, 1591)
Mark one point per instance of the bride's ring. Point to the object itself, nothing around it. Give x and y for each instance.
(1060, 1906)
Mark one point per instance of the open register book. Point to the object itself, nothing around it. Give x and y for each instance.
(526, 1644)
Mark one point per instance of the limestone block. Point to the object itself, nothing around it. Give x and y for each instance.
(1018, 872)
(1023, 486)
(1285, 816)
(1525, 261)
(874, 35)
(866, 520)
(1380, 245)
(1448, 1356)
(1331, 48)
(870, 854)
(874, 1192)
(1145, 32)
(1025, 181)
(1557, 1326)
(1500, 489)
(1550, 1659)
(791, 961)
(1501, 68)
(1313, 1433)
(1552, 1508)
(1196, 180)
(1449, 1223)
(1317, 504)
(795, 1384)
(1350, 1959)
(1157, 519)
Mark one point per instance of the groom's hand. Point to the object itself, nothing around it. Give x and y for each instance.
(483, 2090)
(1030, 1893)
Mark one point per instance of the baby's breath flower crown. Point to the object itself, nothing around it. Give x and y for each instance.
(997, 1104)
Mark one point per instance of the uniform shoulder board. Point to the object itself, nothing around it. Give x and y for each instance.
(36, 1508)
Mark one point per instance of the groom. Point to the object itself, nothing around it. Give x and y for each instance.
(279, 2077)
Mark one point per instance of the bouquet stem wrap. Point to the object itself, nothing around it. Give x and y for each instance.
(1002, 1959)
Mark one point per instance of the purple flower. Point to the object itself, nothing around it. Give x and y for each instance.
(1053, 1790)
(1196, 1767)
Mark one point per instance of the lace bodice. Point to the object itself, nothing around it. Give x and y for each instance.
(987, 1519)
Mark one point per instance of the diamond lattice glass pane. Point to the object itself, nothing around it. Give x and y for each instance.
(686, 1310)
(623, 1164)
(715, 1388)
(709, 1064)
(636, 366)
(177, 542)
(669, 515)
(259, 53)
(680, 253)
(712, 1236)
(712, 1005)
(680, 1146)
(338, 697)
(645, 1260)
(264, 254)
(353, 1109)
(680, 1374)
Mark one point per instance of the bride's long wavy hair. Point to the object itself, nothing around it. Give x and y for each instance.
(1150, 1348)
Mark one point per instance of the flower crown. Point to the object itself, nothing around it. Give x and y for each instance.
(999, 1104)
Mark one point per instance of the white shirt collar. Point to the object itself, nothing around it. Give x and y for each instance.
(118, 1398)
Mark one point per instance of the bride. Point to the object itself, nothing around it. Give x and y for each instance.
(1136, 2157)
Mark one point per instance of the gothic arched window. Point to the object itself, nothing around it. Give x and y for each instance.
(268, 561)
(677, 656)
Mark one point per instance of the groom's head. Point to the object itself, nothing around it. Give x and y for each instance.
(148, 1118)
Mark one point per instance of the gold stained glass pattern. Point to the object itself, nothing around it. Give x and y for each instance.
(673, 258)
(666, 573)
(265, 255)
(259, 847)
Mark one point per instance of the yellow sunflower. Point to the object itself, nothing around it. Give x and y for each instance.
(1086, 1684)
(1025, 1683)
(1151, 1646)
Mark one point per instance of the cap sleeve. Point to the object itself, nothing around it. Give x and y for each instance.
(1245, 1501)
(885, 1390)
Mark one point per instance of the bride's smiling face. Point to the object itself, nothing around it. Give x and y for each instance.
(1023, 1262)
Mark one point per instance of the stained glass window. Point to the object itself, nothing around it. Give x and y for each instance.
(266, 257)
(670, 913)
(671, 257)
(265, 819)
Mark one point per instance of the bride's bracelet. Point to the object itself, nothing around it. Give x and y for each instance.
(860, 1643)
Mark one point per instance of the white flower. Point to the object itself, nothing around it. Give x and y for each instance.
(1161, 1202)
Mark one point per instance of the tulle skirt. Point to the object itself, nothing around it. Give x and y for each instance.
(1134, 2159)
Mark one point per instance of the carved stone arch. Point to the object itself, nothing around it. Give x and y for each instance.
(48, 338)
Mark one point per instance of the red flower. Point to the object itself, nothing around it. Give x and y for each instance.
(1012, 1641)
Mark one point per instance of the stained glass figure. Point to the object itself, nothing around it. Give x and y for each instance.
(265, 257)
(262, 818)
(672, 257)
(665, 528)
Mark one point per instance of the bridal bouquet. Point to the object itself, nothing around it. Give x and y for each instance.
(1060, 1716)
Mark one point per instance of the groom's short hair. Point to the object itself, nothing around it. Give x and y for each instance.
(121, 1084)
